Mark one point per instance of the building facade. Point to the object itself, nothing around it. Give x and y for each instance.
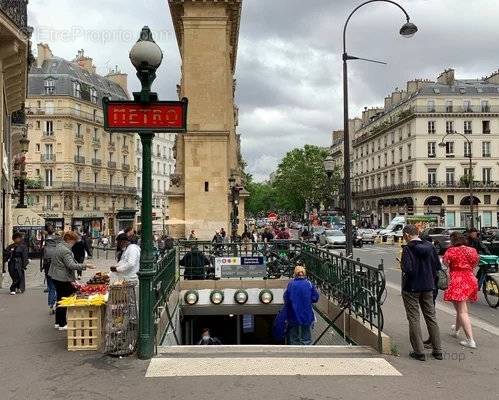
(79, 175)
(15, 56)
(163, 165)
(408, 160)
(207, 156)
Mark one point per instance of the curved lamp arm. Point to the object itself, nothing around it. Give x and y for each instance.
(361, 5)
(456, 133)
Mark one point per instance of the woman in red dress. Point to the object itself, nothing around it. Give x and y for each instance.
(463, 285)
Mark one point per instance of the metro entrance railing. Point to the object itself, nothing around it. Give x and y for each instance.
(356, 288)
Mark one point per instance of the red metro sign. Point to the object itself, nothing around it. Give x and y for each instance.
(157, 116)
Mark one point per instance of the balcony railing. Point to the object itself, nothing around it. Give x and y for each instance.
(112, 146)
(126, 167)
(111, 164)
(47, 208)
(79, 138)
(47, 157)
(17, 11)
(454, 109)
(86, 186)
(64, 111)
(79, 159)
(411, 186)
(48, 134)
(96, 162)
(95, 141)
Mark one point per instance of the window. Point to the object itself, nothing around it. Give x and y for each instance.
(393, 157)
(78, 130)
(78, 177)
(110, 180)
(206, 187)
(409, 130)
(95, 154)
(449, 126)
(409, 151)
(450, 199)
(485, 106)
(485, 149)
(401, 176)
(487, 218)
(486, 175)
(432, 176)
(485, 127)
(467, 172)
(448, 106)
(48, 202)
(400, 154)
(48, 177)
(393, 137)
(430, 106)
(37, 146)
(449, 149)
(49, 150)
(486, 199)
(386, 159)
(467, 127)
(379, 144)
(49, 128)
(401, 135)
(76, 90)
(450, 176)
(431, 127)
(78, 151)
(432, 149)
(467, 106)
(95, 202)
(96, 177)
(49, 86)
(409, 174)
(111, 156)
(372, 164)
(124, 180)
(125, 159)
(96, 133)
(379, 161)
(164, 169)
(467, 149)
(386, 140)
(139, 186)
(37, 124)
(93, 96)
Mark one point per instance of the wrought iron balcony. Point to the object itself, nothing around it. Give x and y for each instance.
(47, 208)
(111, 164)
(95, 141)
(63, 111)
(125, 167)
(16, 11)
(47, 157)
(79, 160)
(96, 162)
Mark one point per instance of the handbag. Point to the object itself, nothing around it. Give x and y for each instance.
(442, 279)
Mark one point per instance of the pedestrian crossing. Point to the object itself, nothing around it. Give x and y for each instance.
(264, 361)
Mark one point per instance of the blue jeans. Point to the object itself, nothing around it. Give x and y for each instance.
(300, 335)
(52, 295)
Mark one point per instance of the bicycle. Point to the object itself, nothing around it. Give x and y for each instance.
(488, 279)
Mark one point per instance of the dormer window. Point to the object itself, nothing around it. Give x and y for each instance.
(49, 86)
(77, 89)
(93, 95)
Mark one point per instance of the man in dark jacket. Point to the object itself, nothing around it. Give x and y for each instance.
(475, 242)
(194, 262)
(16, 254)
(48, 251)
(298, 299)
(419, 270)
(80, 249)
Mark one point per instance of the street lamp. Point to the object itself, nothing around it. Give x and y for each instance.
(146, 57)
(113, 203)
(329, 165)
(234, 195)
(407, 30)
(443, 143)
(24, 142)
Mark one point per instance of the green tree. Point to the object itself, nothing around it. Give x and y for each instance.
(301, 177)
(261, 198)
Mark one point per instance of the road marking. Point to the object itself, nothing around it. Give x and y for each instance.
(269, 366)
(475, 321)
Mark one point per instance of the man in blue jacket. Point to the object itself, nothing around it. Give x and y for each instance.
(419, 270)
(298, 298)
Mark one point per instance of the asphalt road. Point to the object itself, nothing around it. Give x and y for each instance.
(373, 255)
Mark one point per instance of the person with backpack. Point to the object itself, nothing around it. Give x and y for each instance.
(419, 263)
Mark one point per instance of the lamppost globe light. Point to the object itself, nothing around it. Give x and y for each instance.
(408, 30)
(145, 53)
(329, 164)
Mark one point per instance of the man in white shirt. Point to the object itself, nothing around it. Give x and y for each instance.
(129, 264)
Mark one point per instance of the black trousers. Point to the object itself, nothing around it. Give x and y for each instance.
(16, 272)
(63, 289)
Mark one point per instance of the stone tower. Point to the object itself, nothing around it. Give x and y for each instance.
(208, 154)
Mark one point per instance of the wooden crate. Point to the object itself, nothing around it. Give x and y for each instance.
(85, 328)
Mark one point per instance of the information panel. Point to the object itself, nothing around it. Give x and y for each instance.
(240, 267)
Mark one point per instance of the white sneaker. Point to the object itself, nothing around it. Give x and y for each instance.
(56, 326)
(468, 343)
(12, 293)
(63, 328)
(453, 331)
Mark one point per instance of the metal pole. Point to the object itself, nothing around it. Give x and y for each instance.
(470, 184)
(346, 165)
(146, 272)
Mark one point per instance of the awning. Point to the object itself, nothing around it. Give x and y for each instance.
(88, 215)
(25, 218)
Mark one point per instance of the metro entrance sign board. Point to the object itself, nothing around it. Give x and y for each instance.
(156, 116)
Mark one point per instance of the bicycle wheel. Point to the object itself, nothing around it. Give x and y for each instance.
(491, 291)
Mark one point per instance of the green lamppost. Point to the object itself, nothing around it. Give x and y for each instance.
(146, 57)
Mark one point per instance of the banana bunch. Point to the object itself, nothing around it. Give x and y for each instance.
(73, 301)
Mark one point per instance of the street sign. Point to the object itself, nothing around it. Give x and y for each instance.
(132, 116)
(240, 267)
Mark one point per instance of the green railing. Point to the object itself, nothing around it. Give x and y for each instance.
(164, 281)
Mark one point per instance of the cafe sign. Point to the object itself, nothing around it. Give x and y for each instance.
(25, 218)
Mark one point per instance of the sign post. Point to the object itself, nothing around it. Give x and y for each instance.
(145, 115)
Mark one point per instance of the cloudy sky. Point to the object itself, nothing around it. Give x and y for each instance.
(289, 65)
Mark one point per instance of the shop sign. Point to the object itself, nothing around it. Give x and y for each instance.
(126, 215)
(88, 215)
(25, 218)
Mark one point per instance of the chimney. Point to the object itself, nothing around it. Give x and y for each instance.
(493, 78)
(388, 103)
(119, 78)
(396, 97)
(43, 53)
(446, 77)
(354, 124)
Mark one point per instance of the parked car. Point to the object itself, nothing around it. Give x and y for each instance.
(368, 235)
(493, 244)
(332, 238)
(440, 237)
